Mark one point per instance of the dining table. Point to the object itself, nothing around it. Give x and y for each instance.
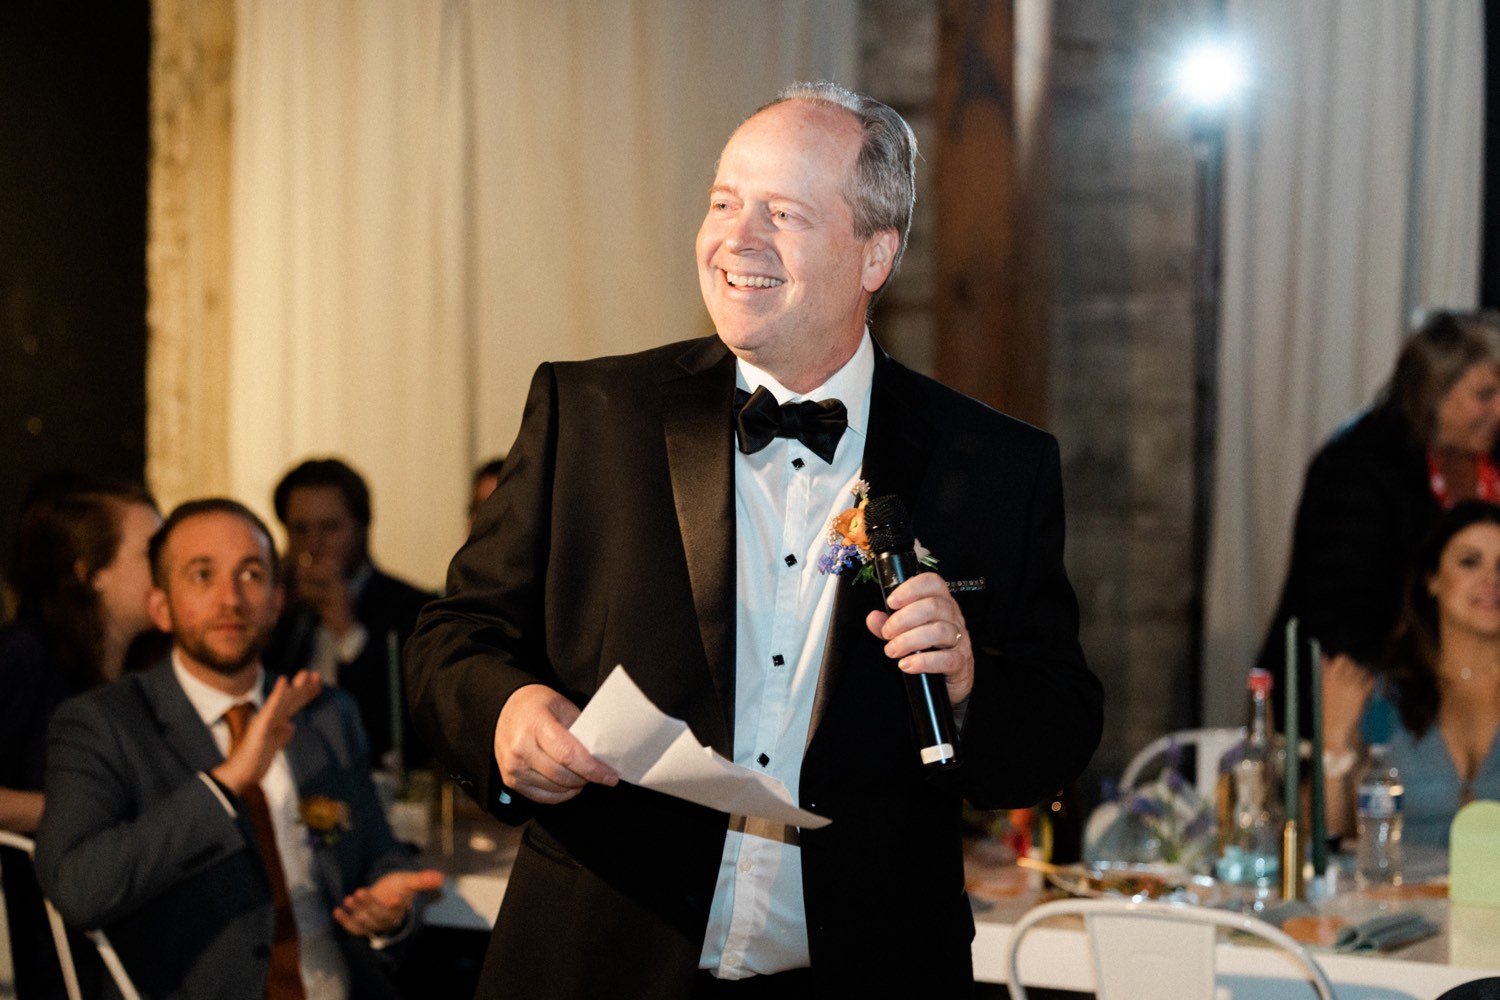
(475, 852)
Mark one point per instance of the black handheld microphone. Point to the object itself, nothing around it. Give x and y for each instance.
(895, 552)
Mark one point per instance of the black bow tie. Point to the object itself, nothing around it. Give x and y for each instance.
(818, 425)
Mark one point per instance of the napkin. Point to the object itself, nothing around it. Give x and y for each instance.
(1473, 876)
(1385, 933)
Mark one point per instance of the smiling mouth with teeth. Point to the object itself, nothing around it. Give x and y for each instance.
(751, 280)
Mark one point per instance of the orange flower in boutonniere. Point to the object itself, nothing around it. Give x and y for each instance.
(849, 546)
(326, 819)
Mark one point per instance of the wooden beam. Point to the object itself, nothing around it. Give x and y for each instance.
(991, 262)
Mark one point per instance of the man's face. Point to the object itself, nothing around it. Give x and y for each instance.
(784, 277)
(483, 487)
(320, 529)
(218, 598)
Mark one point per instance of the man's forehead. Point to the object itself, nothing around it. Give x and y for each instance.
(802, 127)
(317, 501)
(215, 536)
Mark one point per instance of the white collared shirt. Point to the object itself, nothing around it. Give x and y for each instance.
(329, 652)
(784, 498)
(324, 972)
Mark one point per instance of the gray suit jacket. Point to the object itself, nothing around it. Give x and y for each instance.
(134, 842)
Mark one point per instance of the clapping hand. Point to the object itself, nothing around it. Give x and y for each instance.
(381, 907)
(269, 731)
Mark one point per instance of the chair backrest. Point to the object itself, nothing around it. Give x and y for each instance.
(1209, 746)
(1161, 950)
(60, 937)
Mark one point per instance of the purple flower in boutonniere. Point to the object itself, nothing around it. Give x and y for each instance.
(849, 546)
(326, 820)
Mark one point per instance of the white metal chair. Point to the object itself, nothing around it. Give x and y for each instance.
(1160, 950)
(60, 937)
(1209, 747)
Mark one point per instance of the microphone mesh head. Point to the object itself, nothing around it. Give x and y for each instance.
(886, 525)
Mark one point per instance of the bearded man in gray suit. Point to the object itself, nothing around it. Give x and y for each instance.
(223, 830)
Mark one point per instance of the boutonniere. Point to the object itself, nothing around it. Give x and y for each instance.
(848, 545)
(326, 820)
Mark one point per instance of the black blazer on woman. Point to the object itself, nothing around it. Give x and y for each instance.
(1365, 509)
(611, 540)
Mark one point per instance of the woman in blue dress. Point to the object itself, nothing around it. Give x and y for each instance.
(1441, 682)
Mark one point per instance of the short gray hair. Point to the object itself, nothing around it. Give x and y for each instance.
(885, 172)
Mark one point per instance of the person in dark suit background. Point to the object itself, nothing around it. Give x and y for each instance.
(627, 529)
(345, 618)
(1380, 483)
(223, 829)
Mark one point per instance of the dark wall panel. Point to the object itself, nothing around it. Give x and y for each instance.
(73, 171)
(1489, 260)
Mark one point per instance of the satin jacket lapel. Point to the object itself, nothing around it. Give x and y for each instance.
(181, 729)
(696, 406)
(898, 448)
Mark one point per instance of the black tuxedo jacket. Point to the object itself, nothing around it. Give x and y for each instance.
(387, 606)
(611, 540)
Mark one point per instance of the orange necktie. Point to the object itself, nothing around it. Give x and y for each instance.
(284, 979)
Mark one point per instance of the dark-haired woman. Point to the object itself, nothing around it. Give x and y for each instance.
(1375, 489)
(80, 578)
(1442, 678)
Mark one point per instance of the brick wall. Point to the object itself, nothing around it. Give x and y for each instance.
(1120, 325)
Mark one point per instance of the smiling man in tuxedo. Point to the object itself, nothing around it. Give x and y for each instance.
(630, 528)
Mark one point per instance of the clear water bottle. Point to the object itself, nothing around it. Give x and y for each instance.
(1377, 858)
(1251, 828)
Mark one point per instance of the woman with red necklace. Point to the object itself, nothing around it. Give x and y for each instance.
(1376, 488)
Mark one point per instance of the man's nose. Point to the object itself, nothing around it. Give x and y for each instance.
(746, 232)
(231, 594)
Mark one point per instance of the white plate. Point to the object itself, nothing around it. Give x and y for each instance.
(1166, 883)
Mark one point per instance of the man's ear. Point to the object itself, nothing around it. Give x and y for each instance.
(278, 600)
(880, 257)
(159, 609)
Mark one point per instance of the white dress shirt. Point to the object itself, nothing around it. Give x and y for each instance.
(784, 497)
(330, 653)
(324, 972)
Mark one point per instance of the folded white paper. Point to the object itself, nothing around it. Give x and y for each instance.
(621, 727)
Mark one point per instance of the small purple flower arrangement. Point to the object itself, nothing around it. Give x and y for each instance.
(849, 546)
(1164, 821)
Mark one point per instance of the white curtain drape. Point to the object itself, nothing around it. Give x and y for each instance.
(432, 197)
(1352, 196)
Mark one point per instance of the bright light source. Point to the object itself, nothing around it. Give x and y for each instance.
(1211, 75)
